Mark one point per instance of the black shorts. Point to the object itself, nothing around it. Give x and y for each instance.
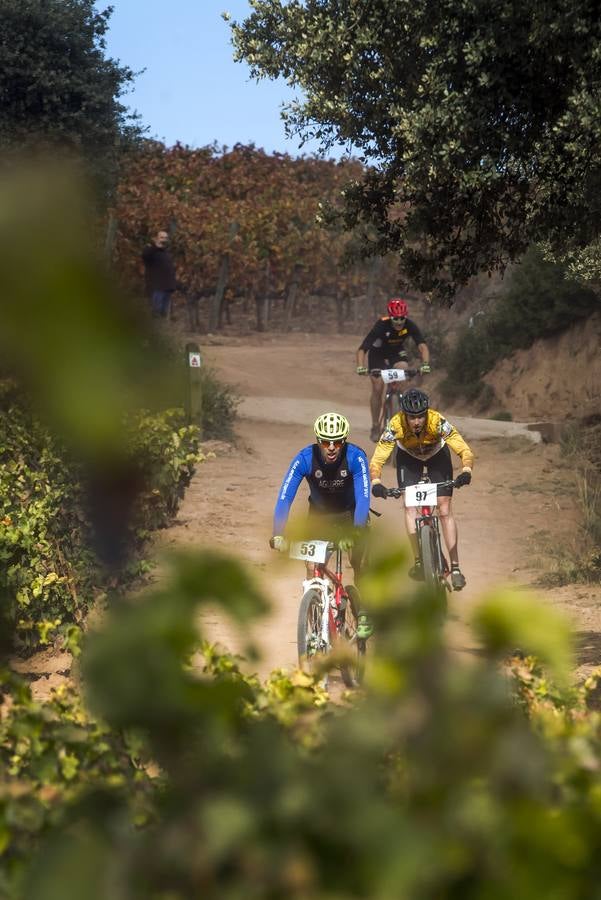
(384, 359)
(409, 470)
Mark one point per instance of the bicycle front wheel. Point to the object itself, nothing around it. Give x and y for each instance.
(309, 636)
(431, 555)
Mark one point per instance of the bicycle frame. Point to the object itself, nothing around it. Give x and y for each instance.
(429, 516)
(392, 389)
(324, 580)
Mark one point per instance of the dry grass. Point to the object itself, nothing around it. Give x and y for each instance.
(578, 558)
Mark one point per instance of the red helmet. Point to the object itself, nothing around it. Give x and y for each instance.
(397, 308)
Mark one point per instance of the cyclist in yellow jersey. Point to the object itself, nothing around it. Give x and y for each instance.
(423, 436)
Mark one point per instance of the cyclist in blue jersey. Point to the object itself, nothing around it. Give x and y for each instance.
(339, 489)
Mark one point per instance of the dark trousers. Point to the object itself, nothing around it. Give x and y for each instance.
(161, 300)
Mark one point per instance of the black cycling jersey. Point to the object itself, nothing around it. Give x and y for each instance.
(387, 340)
(331, 484)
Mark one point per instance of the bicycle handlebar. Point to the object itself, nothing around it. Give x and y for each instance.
(410, 373)
(398, 492)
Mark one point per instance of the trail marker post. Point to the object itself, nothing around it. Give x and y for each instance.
(193, 398)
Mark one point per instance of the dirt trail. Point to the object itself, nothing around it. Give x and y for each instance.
(519, 490)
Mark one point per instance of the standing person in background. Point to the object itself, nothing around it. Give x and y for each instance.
(383, 348)
(159, 270)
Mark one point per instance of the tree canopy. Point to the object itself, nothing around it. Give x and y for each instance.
(56, 83)
(481, 120)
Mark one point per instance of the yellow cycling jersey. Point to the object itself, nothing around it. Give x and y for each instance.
(436, 433)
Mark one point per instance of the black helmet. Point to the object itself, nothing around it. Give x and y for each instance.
(414, 402)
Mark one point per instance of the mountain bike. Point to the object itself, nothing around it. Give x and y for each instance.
(435, 566)
(328, 612)
(393, 380)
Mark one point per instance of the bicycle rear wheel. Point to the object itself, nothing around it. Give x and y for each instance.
(352, 674)
(309, 637)
(431, 556)
(394, 404)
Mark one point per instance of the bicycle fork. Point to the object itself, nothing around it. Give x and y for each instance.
(429, 518)
(333, 601)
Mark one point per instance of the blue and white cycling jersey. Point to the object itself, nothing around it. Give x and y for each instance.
(338, 487)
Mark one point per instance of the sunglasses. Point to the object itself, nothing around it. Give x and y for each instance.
(398, 320)
(324, 442)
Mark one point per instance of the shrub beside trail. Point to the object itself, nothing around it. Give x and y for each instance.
(49, 574)
(539, 301)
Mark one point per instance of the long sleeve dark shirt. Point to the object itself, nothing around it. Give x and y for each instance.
(159, 269)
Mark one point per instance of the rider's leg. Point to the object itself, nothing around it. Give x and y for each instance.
(410, 517)
(358, 560)
(375, 403)
(416, 571)
(449, 528)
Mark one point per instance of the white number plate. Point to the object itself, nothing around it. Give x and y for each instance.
(421, 495)
(311, 551)
(389, 375)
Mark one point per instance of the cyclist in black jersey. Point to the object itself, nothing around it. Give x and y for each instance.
(383, 348)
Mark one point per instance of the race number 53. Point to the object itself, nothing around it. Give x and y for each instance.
(311, 551)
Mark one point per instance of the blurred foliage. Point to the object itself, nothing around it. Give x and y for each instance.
(444, 779)
(52, 755)
(50, 574)
(539, 301)
(79, 347)
(90, 460)
(181, 776)
(58, 87)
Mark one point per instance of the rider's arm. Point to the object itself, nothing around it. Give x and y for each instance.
(358, 466)
(361, 357)
(459, 445)
(384, 448)
(298, 469)
(420, 343)
(368, 340)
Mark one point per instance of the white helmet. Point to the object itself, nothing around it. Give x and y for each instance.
(331, 426)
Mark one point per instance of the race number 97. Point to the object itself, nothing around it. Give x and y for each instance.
(421, 495)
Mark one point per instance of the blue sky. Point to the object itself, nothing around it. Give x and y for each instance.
(191, 89)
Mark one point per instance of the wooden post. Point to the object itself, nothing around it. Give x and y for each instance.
(339, 300)
(261, 305)
(193, 397)
(371, 300)
(261, 298)
(215, 316)
(291, 294)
